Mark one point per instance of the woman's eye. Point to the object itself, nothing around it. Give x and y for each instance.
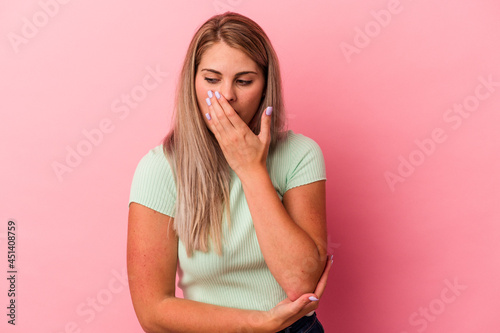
(211, 80)
(244, 82)
(240, 82)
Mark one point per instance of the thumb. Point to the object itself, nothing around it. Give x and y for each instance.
(303, 301)
(265, 125)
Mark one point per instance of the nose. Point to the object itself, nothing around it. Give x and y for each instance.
(227, 90)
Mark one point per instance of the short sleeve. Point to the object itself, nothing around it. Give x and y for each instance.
(307, 162)
(153, 184)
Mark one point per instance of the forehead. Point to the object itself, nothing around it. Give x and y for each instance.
(227, 60)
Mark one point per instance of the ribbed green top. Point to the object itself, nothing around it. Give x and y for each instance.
(240, 277)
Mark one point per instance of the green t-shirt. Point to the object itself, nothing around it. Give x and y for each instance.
(240, 277)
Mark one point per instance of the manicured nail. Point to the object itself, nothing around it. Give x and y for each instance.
(217, 94)
(331, 258)
(208, 101)
(208, 116)
(269, 110)
(210, 94)
(312, 298)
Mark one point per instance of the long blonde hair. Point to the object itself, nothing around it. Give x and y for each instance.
(201, 170)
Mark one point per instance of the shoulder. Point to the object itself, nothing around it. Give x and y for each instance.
(296, 160)
(154, 183)
(298, 145)
(154, 162)
(155, 155)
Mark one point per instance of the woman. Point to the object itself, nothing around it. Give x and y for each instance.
(231, 200)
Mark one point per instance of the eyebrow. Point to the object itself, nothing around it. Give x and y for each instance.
(219, 73)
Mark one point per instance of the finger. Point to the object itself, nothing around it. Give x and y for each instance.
(221, 126)
(300, 304)
(214, 120)
(219, 122)
(223, 115)
(230, 113)
(287, 312)
(320, 287)
(265, 125)
(214, 124)
(306, 304)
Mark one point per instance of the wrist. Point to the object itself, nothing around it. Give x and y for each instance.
(252, 174)
(265, 322)
(259, 322)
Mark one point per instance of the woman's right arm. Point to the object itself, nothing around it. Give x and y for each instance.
(152, 265)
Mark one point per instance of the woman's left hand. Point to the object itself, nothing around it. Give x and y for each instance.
(244, 151)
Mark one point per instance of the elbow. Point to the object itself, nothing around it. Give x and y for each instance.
(150, 325)
(294, 293)
(147, 324)
(146, 328)
(300, 287)
(304, 282)
(149, 321)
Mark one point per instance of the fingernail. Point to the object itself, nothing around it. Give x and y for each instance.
(269, 110)
(208, 101)
(210, 94)
(217, 94)
(312, 298)
(208, 116)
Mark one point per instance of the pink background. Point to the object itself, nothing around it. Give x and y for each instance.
(413, 182)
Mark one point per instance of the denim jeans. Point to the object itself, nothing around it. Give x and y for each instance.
(305, 324)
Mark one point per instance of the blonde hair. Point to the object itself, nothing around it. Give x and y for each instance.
(201, 170)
